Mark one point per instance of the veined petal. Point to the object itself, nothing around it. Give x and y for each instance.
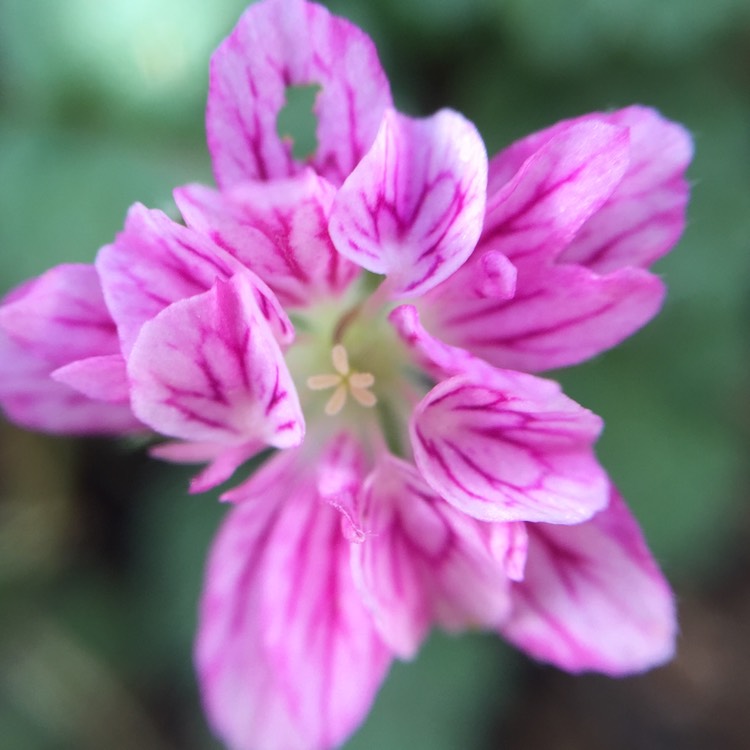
(104, 378)
(278, 229)
(222, 467)
(287, 655)
(538, 211)
(55, 321)
(413, 207)
(645, 215)
(208, 369)
(593, 598)
(282, 43)
(32, 399)
(506, 446)
(155, 262)
(432, 355)
(61, 316)
(560, 315)
(425, 562)
(340, 474)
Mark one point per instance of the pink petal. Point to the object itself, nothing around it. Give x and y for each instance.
(486, 275)
(278, 44)
(423, 561)
(155, 262)
(287, 655)
(103, 378)
(208, 369)
(555, 190)
(32, 399)
(222, 461)
(505, 446)
(339, 481)
(413, 207)
(222, 467)
(279, 230)
(593, 598)
(432, 355)
(560, 315)
(51, 322)
(186, 452)
(61, 316)
(645, 215)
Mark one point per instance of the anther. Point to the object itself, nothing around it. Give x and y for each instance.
(344, 381)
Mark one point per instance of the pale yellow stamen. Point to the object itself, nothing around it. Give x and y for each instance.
(344, 380)
(322, 382)
(340, 359)
(361, 380)
(336, 402)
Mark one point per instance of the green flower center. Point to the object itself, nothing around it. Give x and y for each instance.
(352, 370)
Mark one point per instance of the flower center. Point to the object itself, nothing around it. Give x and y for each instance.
(345, 381)
(349, 364)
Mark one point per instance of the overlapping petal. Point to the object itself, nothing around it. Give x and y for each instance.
(560, 315)
(208, 368)
(288, 656)
(104, 377)
(54, 321)
(537, 212)
(509, 447)
(645, 216)
(593, 598)
(412, 209)
(423, 562)
(31, 398)
(155, 262)
(279, 230)
(432, 355)
(61, 316)
(283, 43)
(581, 286)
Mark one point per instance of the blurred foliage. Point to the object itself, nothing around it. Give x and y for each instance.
(101, 551)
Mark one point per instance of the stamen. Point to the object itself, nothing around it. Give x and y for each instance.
(340, 359)
(323, 382)
(344, 380)
(361, 380)
(336, 402)
(364, 398)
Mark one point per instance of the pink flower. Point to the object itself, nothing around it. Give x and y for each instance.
(422, 475)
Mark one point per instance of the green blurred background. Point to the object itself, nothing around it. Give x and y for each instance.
(101, 550)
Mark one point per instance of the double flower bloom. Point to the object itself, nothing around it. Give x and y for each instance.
(374, 315)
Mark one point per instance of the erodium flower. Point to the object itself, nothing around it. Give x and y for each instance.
(374, 315)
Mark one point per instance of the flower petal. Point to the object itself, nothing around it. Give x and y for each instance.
(61, 316)
(560, 315)
(279, 230)
(509, 447)
(155, 262)
(556, 189)
(413, 207)
(423, 561)
(32, 399)
(50, 322)
(432, 355)
(339, 479)
(282, 43)
(645, 215)
(208, 369)
(104, 378)
(593, 598)
(287, 655)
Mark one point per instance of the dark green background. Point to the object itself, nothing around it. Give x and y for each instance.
(101, 550)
